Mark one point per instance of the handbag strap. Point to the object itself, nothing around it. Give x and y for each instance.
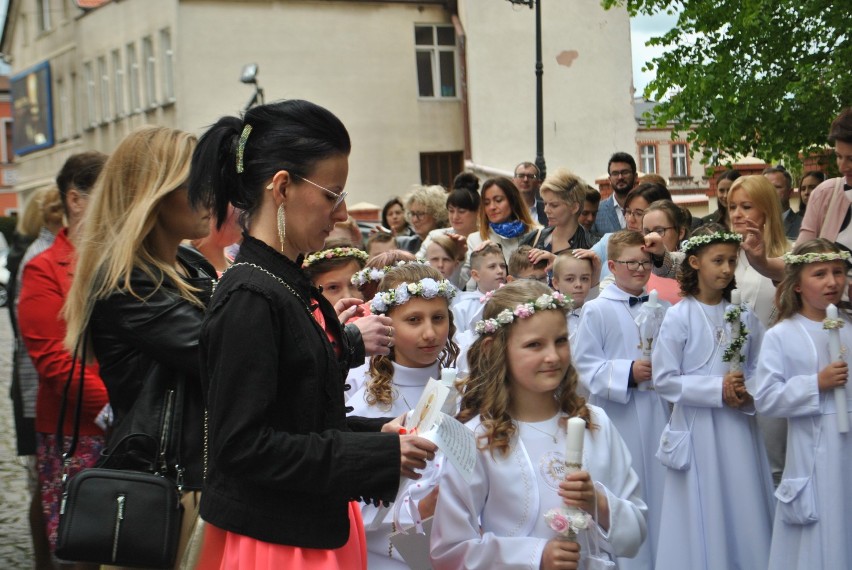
(78, 408)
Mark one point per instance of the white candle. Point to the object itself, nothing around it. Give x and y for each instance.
(736, 298)
(575, 432)
(448, 376)
(652, 298)
(835, 354)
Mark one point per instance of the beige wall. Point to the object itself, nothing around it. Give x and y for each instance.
(588, 107)
(357, 59)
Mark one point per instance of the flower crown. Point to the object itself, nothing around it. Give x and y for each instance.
(336, 253)
(792, 259)
(546, 302)
(426, 288)
(695, 242)
(364, 276)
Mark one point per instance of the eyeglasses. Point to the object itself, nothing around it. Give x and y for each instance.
(339, 198)
(658, 230)
(525, 176)
(417, 215)
(634, 265)
(620, 173)
(633, 213)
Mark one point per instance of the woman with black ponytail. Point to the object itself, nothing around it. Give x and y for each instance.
(284, 462)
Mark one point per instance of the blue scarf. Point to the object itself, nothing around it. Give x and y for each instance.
(509, 229)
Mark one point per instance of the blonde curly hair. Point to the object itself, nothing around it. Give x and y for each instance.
(434, 201)
(486, 390)
(379, 390)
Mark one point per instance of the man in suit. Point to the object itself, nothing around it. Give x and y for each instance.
(622, 178)
(783, 183)
(527, 179)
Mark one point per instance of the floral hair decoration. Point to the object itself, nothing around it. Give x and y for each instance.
(555, 300)
(791, 259)
(426, 288)
(364, 276)
(695, 242)
(335, 253)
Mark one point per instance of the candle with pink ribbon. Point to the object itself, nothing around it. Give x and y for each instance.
(832, 325)
(566, 521)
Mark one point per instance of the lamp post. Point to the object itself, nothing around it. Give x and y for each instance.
(539, 72)
(249, 76)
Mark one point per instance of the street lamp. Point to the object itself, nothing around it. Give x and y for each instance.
(249, 75)
(539, 71)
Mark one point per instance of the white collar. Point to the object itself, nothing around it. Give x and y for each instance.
(405, 376)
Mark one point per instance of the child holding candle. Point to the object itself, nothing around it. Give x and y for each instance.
(518, 398)
(796, 379)
(611, 365)
(418, 300)
(718, 487)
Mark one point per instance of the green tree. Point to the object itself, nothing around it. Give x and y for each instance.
(751, 76)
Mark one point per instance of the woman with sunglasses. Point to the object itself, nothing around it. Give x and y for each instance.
(285, 463)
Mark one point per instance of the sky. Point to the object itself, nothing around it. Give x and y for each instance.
(642, 29)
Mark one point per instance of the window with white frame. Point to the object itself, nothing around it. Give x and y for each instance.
(167, 68)
(64, 117)
(103, 74)
(648, 157)
(118, 84)
(150, 72)
(43, 15)
(74, 106)
(679, 160)
(91, 118)
(133, 79)
(7, 155)
(437, 58)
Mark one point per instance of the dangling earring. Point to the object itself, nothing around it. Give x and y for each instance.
(282, 226)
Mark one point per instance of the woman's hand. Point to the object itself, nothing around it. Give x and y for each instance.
(415, 451)
(377, 333)
(560, 554)
(348, 308)
(654, 244)
(753, 244)
(833, 376)
(537, 255)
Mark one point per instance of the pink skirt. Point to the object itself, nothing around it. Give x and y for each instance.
(224, 550)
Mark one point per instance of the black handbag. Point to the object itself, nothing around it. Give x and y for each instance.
(115, 516)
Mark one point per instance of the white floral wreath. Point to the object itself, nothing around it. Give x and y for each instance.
(364, 276)
(426, 288)
(702, 240)
(555, 300)
(814, 257)
(336, 252)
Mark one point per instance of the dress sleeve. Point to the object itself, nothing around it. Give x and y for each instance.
(778, 390)
(244, 403)
(702, 390)
(457, 540)
(603, 376)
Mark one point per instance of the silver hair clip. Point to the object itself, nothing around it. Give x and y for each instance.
(241, 147)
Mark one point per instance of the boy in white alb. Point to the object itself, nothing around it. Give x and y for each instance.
(573, 276)
(611, 366)
(488, 269)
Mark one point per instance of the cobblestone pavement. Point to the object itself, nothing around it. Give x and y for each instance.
(15, 544)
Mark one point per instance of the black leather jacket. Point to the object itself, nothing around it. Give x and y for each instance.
(148, 356)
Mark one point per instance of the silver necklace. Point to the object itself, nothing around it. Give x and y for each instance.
(548, 434)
